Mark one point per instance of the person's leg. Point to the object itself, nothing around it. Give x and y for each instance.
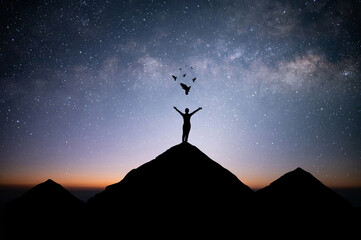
(187, 134)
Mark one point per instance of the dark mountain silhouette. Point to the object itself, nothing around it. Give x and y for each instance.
(300, 189)
(301, 203)
(47, 208)
(180, 188)
(183, 192)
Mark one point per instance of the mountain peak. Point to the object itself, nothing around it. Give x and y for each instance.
(185, 149)
(181, 182)
(48, 193)
(298, 169)
(301, 172)
(180, 165)
(48, 189)
(46, 206)
(50, 181)
(301, 188)
(297, 177)
(48, 184)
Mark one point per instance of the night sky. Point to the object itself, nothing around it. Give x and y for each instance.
(87, 92)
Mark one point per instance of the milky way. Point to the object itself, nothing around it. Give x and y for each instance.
(87, 91)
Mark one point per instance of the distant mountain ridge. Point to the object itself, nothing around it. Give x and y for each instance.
(301, 188)
(47, 209)
(54, 192)
(301, 204)
(184, 191)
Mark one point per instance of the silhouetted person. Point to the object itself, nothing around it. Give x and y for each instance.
(186, 122)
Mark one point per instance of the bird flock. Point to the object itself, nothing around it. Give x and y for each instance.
(184, 72)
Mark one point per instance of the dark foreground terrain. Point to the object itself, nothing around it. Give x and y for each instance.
(183, 193)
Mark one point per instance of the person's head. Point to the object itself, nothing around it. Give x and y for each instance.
(186, 110)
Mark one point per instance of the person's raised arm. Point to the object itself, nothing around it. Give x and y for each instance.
(178, 111)
(196, 111)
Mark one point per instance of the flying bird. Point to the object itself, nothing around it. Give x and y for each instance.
(194, 79)
(186, 88)
(184, 75)
(174, 77)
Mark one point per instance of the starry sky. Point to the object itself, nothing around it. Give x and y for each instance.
(87, 92)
